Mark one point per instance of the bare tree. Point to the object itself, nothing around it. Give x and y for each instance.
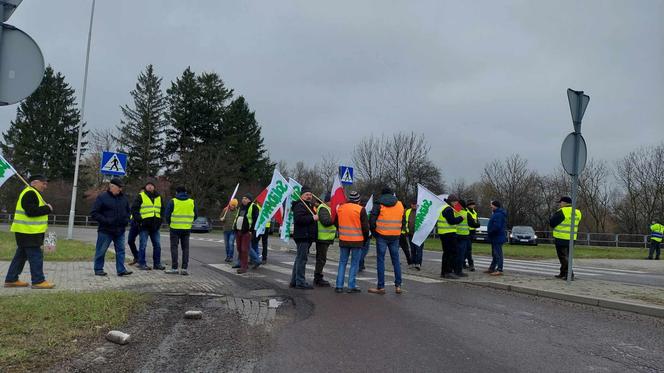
(400, 161)
(641, 174)
(595, 196)
(511, 182)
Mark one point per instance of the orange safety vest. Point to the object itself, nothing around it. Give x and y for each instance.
(350, 225)
(389, 220)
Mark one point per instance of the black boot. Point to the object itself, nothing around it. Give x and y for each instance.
(320, 282)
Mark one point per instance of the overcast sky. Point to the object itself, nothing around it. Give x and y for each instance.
(481, 81)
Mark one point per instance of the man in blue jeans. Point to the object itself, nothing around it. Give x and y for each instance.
(227, 219)
(496, 231)
(353, 227)
(385, 221)
(147, 210)
(111, 211)
(305, 233)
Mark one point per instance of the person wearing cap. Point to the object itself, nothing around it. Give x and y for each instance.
(227, 219)
(111, 211)
(244, 225)
(561, 222)
(326, 234)
(147, 210)
(446, 229)
(180, 214)
(497, 234)
(29, 226)
(353, 224)
(305, 232)
(134, 230)
(656, 235)
(473, 223)
(385, 223)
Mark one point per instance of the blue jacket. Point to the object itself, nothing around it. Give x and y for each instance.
(111, 212)
(169, 208)
(497, 227)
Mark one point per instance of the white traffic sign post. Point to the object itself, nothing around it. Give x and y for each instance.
(573, 155)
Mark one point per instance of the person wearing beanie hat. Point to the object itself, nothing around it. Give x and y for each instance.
(473, 223)
(305, 232)
(497, 235)
(29, 226)
(385, 224)
(447, 232)
(111, 211)
(244, 224)
(180, 214)
(353, 224)
(326, 232)
(147, 211)
(464, 238)
(227, 218)
(561, 223)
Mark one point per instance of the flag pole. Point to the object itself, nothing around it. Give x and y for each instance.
(305, 204)
(229, 202)
(19, 175)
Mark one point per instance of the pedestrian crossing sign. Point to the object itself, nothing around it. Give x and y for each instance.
(114, 163)
(346, 175)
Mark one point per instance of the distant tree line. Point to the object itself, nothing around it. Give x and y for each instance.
(196, 133)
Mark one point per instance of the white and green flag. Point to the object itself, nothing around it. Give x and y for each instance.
(285, 228)
(429, 207)
(6, 170)
(277, 192)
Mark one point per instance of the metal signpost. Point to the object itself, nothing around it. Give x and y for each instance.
(573, 155)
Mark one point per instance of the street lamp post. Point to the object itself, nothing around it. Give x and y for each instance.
(72, 210)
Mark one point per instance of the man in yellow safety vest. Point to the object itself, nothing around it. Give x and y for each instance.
(147, 210)
(29, 226)
(656, 235)
(180, 215)
(561, 222)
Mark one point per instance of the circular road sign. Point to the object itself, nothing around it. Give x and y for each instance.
(21, 65)
(567, 153)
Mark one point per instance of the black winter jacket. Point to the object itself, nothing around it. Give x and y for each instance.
(111, 212)
(306, 228)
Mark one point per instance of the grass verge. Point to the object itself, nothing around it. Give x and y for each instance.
(38, 329)
(548, 251)
(66, 250)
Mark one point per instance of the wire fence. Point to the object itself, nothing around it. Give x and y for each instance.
(583, 238)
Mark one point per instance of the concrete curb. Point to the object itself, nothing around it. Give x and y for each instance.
(604, 303)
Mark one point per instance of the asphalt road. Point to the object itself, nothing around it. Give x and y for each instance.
(437, 326)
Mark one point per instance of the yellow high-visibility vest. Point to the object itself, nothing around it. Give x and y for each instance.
(183, 214)
(25, 224)
(474, 216)
(563, 230)
(462, 229)
(443, 227)
(149, 208)
(326, 233)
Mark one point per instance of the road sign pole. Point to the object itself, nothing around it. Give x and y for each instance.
(575, 185)
(72, 209)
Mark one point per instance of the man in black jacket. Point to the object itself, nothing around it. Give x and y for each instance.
(245, 228)
(147, 210)
(326, 234)
(304, 233)
(29, 225)
(446, 228)
(111, 211)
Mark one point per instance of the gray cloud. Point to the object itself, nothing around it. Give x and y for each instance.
(481, 80)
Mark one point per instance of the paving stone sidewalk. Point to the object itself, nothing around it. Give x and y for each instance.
(79, 276)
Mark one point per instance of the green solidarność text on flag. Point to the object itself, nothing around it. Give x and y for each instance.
(6, 170)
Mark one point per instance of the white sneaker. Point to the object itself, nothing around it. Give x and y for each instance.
(172, 271)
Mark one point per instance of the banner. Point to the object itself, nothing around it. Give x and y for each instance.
(285, 228)
(6, 170)
(429, 207)
(277, 192)
(369, 205)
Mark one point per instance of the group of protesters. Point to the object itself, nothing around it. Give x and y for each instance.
(389, 223)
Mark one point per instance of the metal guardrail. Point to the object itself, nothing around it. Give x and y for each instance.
(583, 238)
